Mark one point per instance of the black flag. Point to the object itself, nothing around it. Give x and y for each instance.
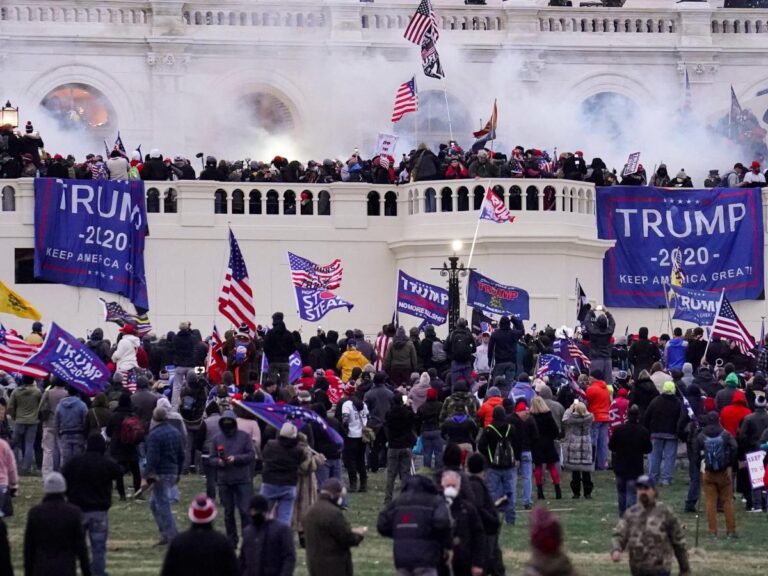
(430, 60)
(582, 303)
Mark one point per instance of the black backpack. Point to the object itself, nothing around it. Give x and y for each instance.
(187, 407)
(461, 346)
(502, 456)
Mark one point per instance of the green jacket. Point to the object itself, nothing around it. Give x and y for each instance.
(24, 403)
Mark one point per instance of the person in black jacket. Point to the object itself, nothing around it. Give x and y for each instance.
(327, 447)
(428, 423)
(642, 353)
(661, 419)
(600, 330)
(419, 523)
(89, 479)
(501, 474)
(502, 349)
(643, 392)
(489, 515)
(697, 344)
(688, 427)
(155, 168)
(630, 442)
(268, 547)
(468, 552)
(201, 550)
(282, 458)
(54, 539)
(278, 347)
(399, 424)
(126, 455)
(183, 358)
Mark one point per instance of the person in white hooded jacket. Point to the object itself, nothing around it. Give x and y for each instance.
(124, 356)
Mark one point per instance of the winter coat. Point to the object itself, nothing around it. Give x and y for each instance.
(599, 401)
(752, 429)
(184, 349)
(267, 550)
(662, 415)
(328, 538)
(54, 540)
(379, 400)
(240, 447)
(429, 416)
(144, 403)
(426, 166)
(732, 415)
(118, 168)
(125, 353)
(502, 347)
(24, 403)
(279, 344)
(401, 355)
(468, 537)
(123, 453)
(544, 449)
(165, 450)
(417, 395)
(349, 360)
(400, 423)
(674, 354)
(642, 354)
(89, 479)
(577, 444)
(282, 458)
(98, 345)
(629, 443)
(155, 169)
(522, 391)
(98, 416)
(201, 550)
(458, 403)
(643, 394)
(485, 412)
(489, 440)
(459, 429)
(48, 404)
(599, 335)
(487, 169)
(71, 414)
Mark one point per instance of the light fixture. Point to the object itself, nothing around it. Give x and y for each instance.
(9, 115)
(457, 245)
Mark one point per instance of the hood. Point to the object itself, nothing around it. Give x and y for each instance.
(97, 334)
(459, 418)
(99, 401)
(504, 322)
(687, 369)
(732, 380)
(739, 398)
(69, 401)
(355, 354)
(420, 484)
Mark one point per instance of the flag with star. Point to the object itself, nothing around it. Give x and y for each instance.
(728, 325)
(114, 312)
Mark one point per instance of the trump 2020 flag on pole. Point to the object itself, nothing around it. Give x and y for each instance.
(236, 296)
(63, 355)
(493, 209)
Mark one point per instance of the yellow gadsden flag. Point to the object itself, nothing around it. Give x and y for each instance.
(12, 303)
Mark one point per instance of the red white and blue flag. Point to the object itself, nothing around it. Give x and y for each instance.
(14, 352)
(493, 209)
(422, 21)
(278, 414)
(727, 325)
(406, 100)
(306, 274)
(236, 296)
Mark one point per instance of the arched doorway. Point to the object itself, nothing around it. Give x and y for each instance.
(609, 114)
(77, 106)
(268, 112)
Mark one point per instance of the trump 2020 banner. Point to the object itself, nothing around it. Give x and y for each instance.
(91, 233)
(63, 355)
(697, 306)
(425, 301)
(490, 296)
(717, 233)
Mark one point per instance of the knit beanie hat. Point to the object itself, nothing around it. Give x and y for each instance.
(732, 380)
(202, 510)
(54, 483)
(668, 388)
(546, 532)
(288, 430)
(493, 392)
(432, 394)
(29, 128)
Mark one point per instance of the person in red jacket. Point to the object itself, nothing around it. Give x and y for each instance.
(732, 415)
(618, 411)
(456, 170)
(599, 403)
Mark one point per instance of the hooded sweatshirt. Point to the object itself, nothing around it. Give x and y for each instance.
(732, 415)
(725, 396)
(401, 355)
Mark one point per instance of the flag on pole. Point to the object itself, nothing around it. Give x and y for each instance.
(727, 325)
(12, 303)
(687, 104)
(14, 352)
(490, 126)
(734, 113)
(494, 209)
(551, 364)
(119, 143)
(677, 276)
(582, 303)
(106, 150)
(406, 100)
(430, 59)
(236, 296)
(216, 363)
(307, 274)
(761, 344)
(278, 414)
(113, 312)
(422, 21)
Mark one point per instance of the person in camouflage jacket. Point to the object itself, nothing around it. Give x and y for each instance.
(460, 402)
(651, 533)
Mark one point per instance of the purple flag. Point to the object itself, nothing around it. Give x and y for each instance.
(278, 414)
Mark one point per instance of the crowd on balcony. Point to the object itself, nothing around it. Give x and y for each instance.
(22, 155)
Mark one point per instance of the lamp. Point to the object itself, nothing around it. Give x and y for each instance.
(456, 245)
(453, 272)
(9, 115)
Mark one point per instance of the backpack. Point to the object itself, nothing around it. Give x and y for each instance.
(131, 431)
(187, 407)
(438, 352)
(461, 346)
(716, 456)
(502, 456)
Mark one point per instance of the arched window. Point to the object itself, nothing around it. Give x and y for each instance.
(446, 202)
(613, 116)
(324, 203)
(238, 202)
(306, 203)
(169, 201)
(289, 202)
(9, 199)
(153, 201)
(390, 204)
(220, 202)
(254, 202)
(374, 203)
(273, 202)
(268, 112)
(80, 107)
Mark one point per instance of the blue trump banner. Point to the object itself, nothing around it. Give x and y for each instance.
(91, 233)
(294, 366)
(713, 237)
(490, 296)
(425, 301)
(314, 303)
(697, 306)
(63, 355)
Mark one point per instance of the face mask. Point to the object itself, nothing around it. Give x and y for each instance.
(450, 492)
(258, 519)
(228, 428)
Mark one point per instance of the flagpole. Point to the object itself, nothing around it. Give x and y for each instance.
(711, 328)
(666, 297)
(447, 108)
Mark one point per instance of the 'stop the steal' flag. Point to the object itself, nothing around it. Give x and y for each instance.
(63, 355)
(718, 232)
(91, 233)
(495, 298)
(493, 209)
(313, 285)
(420, 299)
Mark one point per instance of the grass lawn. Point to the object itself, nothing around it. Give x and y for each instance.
(587, 524)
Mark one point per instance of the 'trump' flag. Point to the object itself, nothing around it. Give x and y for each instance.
(63, 355)
(697, 306)
(582, 303)
(551, 364)
(14, 352)
(406, 100)
(494, 209)
(490, 126)
(278, 414)
(236, 296)
(12, 303)
(430, 59)
(727, 325)
(294, 366)
(421, 22)
(307, 274)
(113, 312)
(314, 303)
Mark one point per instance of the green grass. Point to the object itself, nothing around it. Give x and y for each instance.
(587, 525)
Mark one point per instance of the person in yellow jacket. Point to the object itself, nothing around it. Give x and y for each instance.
(352, 357)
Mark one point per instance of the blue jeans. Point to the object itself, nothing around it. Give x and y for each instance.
(160, 505)
(599, 434)
(662, 459)
(526, 473)
(331, 469)
(70, 445)
(281, 498)
(24, 442)
(433, 444)
(694, 479)
(235, 496)
(627, 493)
(503, 482)
(96, 524)
(459, 370)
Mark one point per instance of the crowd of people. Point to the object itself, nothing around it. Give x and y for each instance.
(23, 155)
(467, 427)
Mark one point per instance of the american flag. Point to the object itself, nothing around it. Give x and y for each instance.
(306, 274)
(493, 209)
(577, 354)
(14, 352)
(236, 296)
(423, 19)
(113, 312)
(551, 364)
(406, 100)
(727, 325)
(278, 414)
